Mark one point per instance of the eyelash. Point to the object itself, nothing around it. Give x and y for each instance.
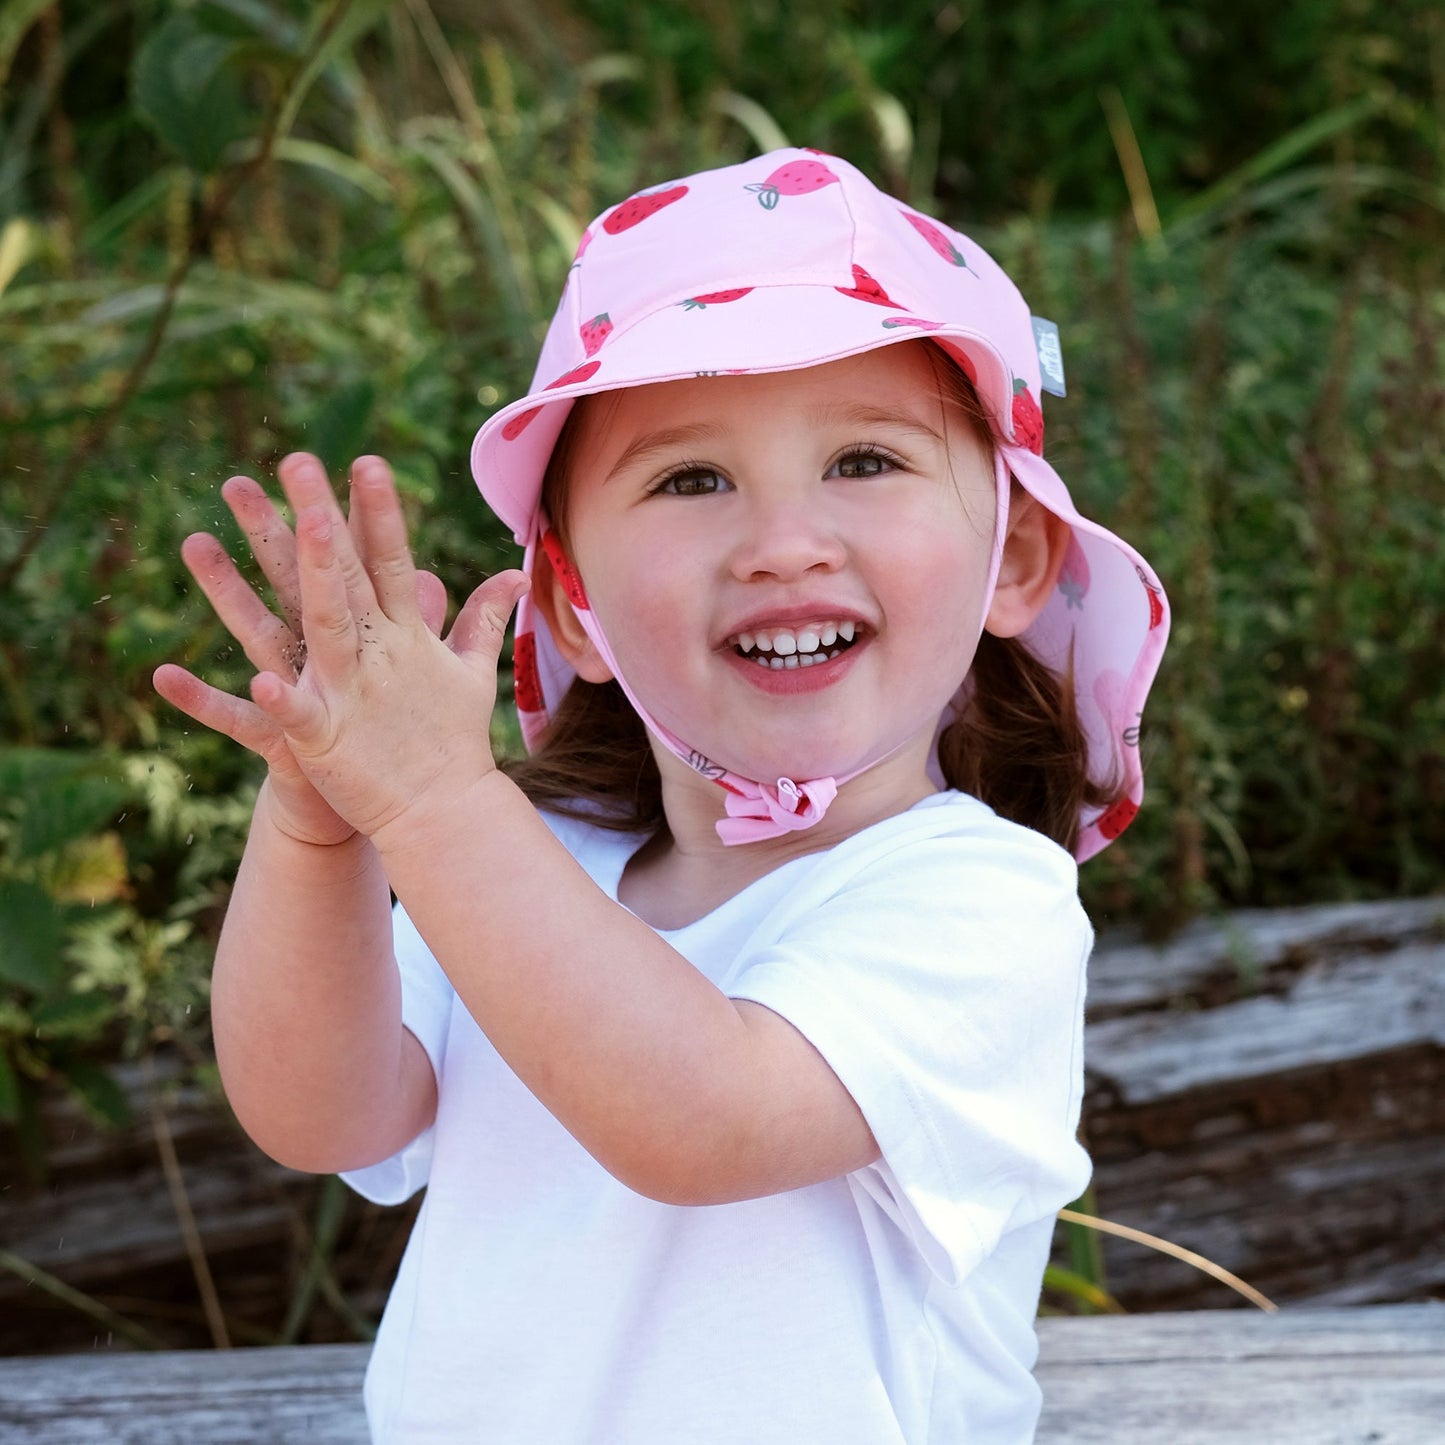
(684, 469)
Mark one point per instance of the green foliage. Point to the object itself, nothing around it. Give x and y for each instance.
(110, 877)
(187, 87)
(1255, 391)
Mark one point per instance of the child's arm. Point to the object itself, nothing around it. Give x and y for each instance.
(305, 998)
(683, 1094)
(676, 1090)
(306, 1005)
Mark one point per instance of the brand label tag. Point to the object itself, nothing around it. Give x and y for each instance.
(1051, 356)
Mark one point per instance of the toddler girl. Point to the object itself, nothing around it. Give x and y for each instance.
(735, 1033)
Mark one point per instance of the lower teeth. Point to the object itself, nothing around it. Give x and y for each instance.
(807, 659)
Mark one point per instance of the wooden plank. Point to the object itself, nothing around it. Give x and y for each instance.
(1307, 1377)
(1304, 1377)
(309, 1393)
(1243, 949)
(1331, 1015)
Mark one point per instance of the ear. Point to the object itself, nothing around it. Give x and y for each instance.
(1033, 555)
(550, 598)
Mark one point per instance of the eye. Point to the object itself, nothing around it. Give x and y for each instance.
(693, 481)
(862, 462)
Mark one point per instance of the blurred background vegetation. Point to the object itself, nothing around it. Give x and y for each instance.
(230, 228)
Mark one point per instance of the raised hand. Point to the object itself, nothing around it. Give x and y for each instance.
(273, 644)
(385, 719)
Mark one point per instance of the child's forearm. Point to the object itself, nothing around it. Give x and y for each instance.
(306, 1006)
(611, 1028)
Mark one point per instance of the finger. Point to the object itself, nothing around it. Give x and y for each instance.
(303, 478)
(379, 530)
(271, 543)
(236, 718)
(267, 641)
(296, 713)
(482, 623)
(431, 601)
(330, 622)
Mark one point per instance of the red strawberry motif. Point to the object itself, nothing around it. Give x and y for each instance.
(1115, 819)
(796, 178)
(1028, 419)
(582, 246)
(638, 208)
(518, 424)
(936, 239)
(865, 288)
(578, 373)
(1156, 600)
(714, 298)
(595, 332)
(894, 322)
(526, 682)
(566, 573)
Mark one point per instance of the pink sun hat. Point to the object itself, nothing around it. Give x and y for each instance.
(794, 259)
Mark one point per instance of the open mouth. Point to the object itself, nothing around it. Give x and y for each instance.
(787, 647)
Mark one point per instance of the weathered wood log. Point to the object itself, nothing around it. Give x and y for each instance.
(1308, 1377)
(106, 1224)
(1269, 1091)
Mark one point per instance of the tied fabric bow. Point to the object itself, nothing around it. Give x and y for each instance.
(757, 811)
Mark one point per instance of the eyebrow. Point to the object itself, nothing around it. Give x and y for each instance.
(667, 439)
(861, 414)
(850, 414)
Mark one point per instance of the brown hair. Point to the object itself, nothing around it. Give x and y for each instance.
(1017, 745)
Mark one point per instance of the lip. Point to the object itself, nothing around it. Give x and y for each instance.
(792, 681)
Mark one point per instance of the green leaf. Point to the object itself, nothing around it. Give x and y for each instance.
(186, 83)
(32, 930)
(9, 1092)
(26, 769)
(337, 163)
(1276, 156)
(1085, 1291)
(75, 1016)
(103, 1098)
(67, 810)
(357, 17)
(339, 429)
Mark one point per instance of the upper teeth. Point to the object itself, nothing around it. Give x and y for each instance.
(785, 642)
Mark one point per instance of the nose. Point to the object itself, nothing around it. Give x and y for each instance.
(784, 537)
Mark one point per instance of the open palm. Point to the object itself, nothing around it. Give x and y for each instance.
(271, 643)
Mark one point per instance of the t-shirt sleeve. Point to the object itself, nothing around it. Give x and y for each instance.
(426, 1009)
(944, 984)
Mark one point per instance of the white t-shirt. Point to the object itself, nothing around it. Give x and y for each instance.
(936, 960)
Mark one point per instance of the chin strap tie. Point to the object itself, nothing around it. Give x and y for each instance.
(757, 811)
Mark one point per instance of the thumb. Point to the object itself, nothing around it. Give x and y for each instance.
(482, 623)
(431, 601)
(301, 717)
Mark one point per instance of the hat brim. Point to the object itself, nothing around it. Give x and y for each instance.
(794, 325)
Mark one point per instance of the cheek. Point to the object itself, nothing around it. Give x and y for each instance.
(648, 605)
